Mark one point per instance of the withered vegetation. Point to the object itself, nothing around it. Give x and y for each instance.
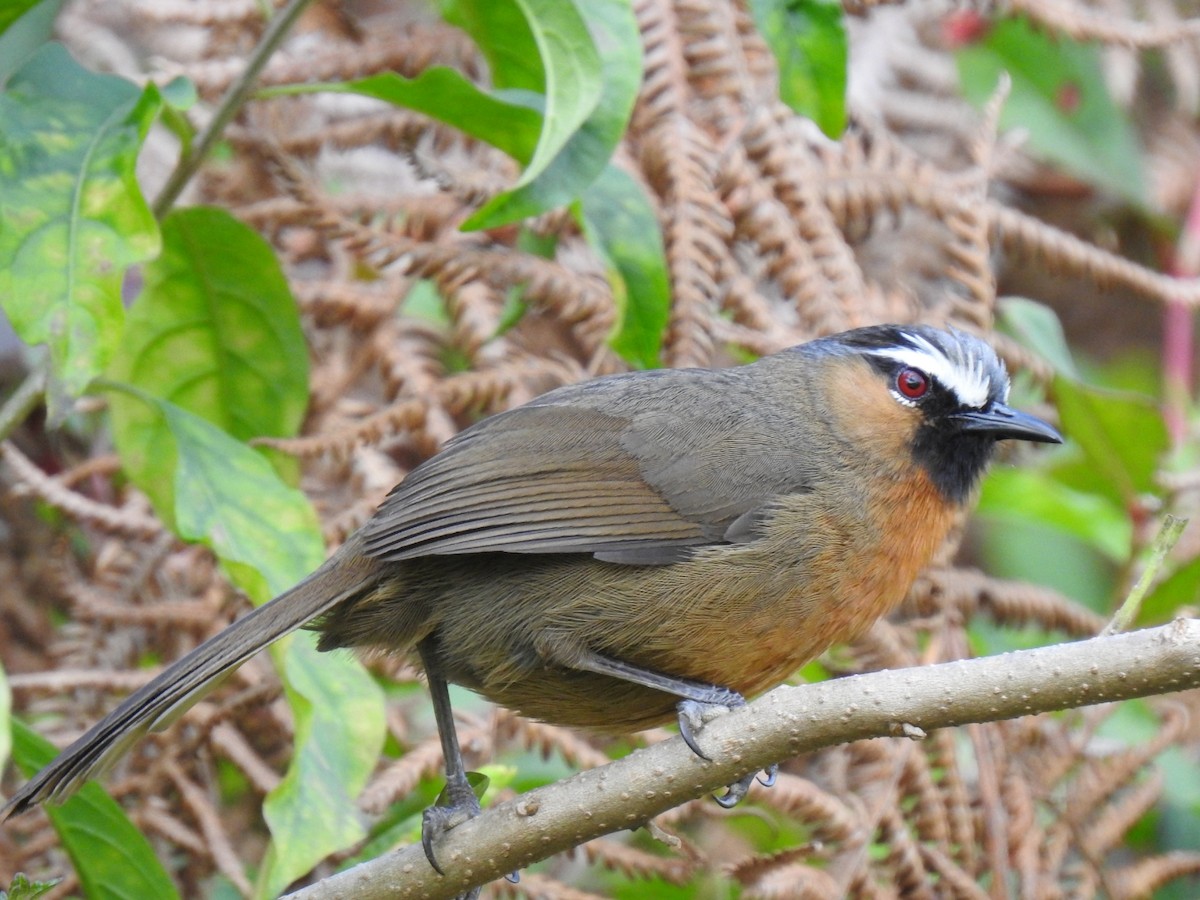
(773, 234)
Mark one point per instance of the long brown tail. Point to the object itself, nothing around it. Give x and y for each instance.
(189, 678)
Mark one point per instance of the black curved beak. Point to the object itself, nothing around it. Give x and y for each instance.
(1003, 422)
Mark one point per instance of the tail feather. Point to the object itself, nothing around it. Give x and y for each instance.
(185, 681)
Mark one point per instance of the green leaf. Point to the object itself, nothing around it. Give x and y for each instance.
(809, 42)
(619, 222)
(180, 92)
(73, 218)
(111, 857)
(218, 491)
(511, 124)
(227, 496)
(502, 32)
(1122, 435)
(1181, 588)
(216, 331)
(339, 713)
(1037, 327)
(1059, 98)
(25, 25)
(1035, 496)
(571, 154)
(13, 10)
(423, 301)
(179, 95)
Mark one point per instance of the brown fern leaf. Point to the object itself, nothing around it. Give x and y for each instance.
(633, 863)
(718, 73)
(536, 886)
(1010, 603)
(793, 172)
(101, 516)
(548, 739)
(1144, 877)
(1105, 832)
(1066, 254)
(665, 89)
(829, 817)
(762, 220)
(784, 876)
(404, 416)
(680, 166)
(1078, 21)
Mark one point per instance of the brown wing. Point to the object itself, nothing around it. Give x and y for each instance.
(538, 479)
(634, 469)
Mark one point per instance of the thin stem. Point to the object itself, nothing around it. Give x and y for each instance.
(1167, 537)
(230, 104)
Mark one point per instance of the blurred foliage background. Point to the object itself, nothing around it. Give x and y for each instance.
(260, 259)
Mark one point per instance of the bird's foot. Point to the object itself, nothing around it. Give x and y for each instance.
(694, 713)
(736, 792)
(692, 716)
(459, 805)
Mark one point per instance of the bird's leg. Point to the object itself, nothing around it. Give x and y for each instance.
(463, 804)
(699, 700)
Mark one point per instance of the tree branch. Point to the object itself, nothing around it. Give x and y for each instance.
(784, 723)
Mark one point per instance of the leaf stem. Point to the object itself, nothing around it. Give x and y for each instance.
(235, 97)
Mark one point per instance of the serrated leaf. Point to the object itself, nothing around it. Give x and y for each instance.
(619, 222)
(567, 169)
(809, 43)
(216, 331)
(339, 713)
(73, 218)
(1060, 99)
(509, 123)
(110, 856)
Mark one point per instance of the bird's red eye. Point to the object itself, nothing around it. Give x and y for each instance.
(912, 383)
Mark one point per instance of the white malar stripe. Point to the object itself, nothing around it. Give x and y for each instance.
(970, 384)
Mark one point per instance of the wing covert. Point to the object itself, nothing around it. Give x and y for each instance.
(635, 469)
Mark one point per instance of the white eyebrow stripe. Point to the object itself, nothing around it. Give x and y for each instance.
(971, 385)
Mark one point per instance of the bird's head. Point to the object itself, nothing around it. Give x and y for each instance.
(939, 396)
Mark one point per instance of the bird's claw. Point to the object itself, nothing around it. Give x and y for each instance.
(691, 720)
(694, 713)
(437, 820)
(736, 792)
(692, 716)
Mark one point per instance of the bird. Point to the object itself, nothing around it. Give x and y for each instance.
(639, 548)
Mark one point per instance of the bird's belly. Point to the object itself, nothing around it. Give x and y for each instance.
(743, 617)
